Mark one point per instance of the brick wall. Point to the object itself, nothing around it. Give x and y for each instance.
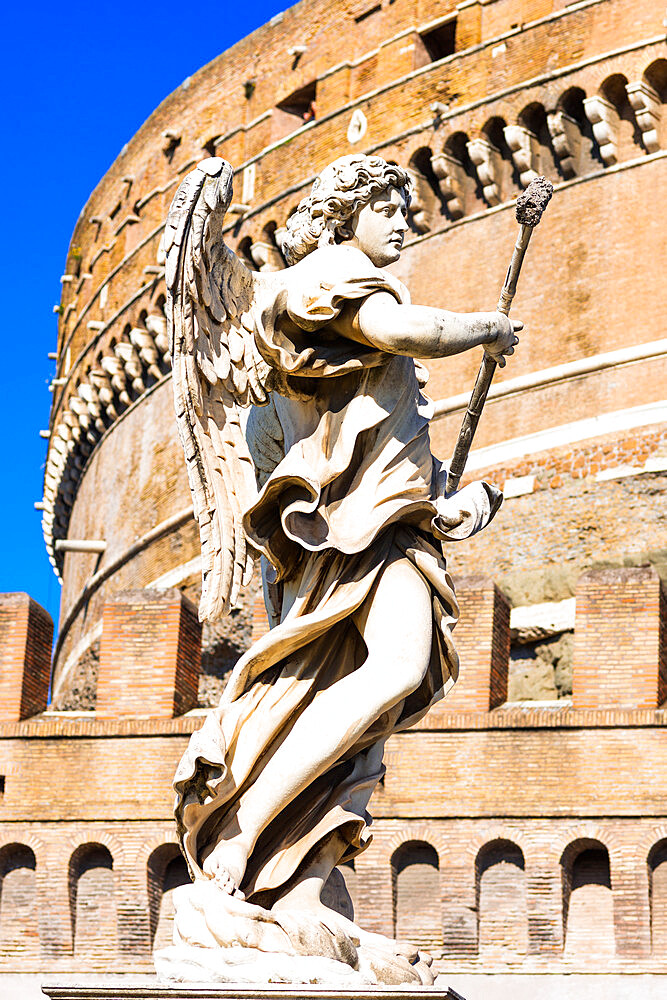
(581, 900)
(501, 902)
(620, 639)
(26, 633)
(483, 642)
(150, 654)
(493, 824)
(112, 285)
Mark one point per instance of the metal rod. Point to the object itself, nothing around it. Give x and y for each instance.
(486, 369)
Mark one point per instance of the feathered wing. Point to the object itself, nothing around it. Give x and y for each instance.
(217, 369)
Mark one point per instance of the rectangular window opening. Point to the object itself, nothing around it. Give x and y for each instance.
(367, 13)
(301, 104)
(440, 41)
(2, 785)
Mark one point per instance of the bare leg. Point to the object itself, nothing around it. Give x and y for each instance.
(305, 894)
(397, 629)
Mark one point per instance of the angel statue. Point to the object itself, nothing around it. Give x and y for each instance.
(301, 411)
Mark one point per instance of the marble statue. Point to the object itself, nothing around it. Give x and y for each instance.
(302, 413)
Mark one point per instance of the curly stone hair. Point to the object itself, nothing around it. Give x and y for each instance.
(344, 186)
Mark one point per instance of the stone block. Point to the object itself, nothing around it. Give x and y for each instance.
(26, 636)
(620, 649)
(150, 655)
(482, 638)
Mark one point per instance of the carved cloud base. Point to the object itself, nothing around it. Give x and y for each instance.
(222, 939)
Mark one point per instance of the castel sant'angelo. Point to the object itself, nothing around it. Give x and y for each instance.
(522, 825)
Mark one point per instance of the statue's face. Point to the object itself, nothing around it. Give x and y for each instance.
(379, 226)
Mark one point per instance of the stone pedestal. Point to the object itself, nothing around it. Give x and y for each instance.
(146, 988)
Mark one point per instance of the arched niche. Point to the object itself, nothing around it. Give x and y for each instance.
(501, 900)
(92, 902)
(244, 251)
(572, 134)
(656, 76)
(588, 905)
(417, 898)
(425, 205)
(457, 178)
(166, 871)
(657, 882)
(533, 118)
(19, 926)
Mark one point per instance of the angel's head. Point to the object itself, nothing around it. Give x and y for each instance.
(358, 199)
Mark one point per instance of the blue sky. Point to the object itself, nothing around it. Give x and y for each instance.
(78, 81)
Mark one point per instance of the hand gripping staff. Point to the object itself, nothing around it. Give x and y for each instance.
(530, 205)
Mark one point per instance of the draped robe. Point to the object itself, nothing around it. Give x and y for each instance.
(348, 483)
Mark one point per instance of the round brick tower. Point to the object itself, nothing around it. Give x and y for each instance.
(476, 98)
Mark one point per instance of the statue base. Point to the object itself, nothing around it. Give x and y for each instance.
(147, 988)
(226, 940)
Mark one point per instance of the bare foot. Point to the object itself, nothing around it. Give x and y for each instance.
(302, 898)
(226, 865)
(363, 937)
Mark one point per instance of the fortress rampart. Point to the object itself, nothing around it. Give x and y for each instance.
(476, 98)
(522, 826)
(506, 836)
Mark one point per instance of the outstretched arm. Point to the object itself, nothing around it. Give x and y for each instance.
(423, 332)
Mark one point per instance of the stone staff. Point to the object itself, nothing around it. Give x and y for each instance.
(530, 205)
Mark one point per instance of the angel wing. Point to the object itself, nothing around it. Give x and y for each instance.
(211, 298)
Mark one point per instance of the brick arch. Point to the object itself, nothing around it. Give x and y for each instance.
(87, 847)
(409, 843)
(500, 891)
(499, 844)
(533, 116)
(613, 89)
(656, 870)
(114, 845)
(98, 934)
(658, 852)
(655, 74)
(406, 150)
(417, 894)
(493, 833)
(577, 831)
(13, 847)
(19, 905)
(456, 144)
(268, 231)
(420, 831)
(648, 840)
(160, 897)
(533, 150)
(571, 101)
(588, 917)
(23, 840)
(150, 844)
(243, 251)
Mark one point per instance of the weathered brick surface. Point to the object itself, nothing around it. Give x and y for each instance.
(378, 62)
(506, 838)
(26, 634)
(150, 654)
(482, 640)
(620, 640)
(478, 857)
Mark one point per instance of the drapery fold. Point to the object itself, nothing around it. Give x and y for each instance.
(349, 485)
